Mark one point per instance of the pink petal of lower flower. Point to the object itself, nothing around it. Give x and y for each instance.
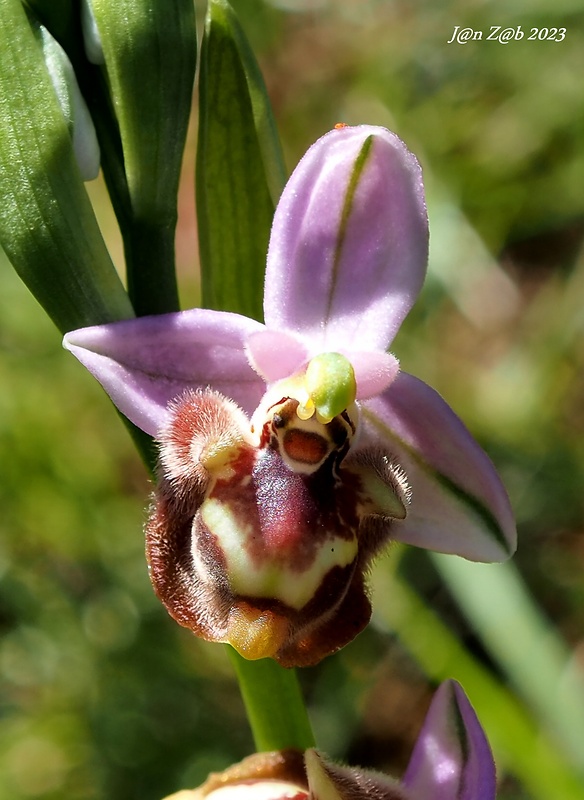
(349, 242)
(458, 503)
(452, 759)
(275, 355)
(145, 363)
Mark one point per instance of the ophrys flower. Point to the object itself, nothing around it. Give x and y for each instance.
(292, 452)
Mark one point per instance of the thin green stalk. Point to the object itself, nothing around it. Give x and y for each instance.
(144, 444)
(274, 704)
(150, 267)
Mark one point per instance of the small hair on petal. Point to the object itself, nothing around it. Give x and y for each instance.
(334, 782)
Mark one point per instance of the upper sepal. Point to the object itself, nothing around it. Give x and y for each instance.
(349, 242)
(458, 503)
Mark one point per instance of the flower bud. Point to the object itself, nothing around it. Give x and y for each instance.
(73, 106)
(91, 37)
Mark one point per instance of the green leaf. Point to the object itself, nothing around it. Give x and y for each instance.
(47, 226)
(265, 124)
(240, 169)
(150, 55)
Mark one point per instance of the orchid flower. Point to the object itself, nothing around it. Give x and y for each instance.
(292, 452)
(451, 760)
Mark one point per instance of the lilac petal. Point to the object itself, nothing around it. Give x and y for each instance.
(458, 503)
(349, 242)
(452, 759)
(144, 363)
(374, 372)
(275, 355)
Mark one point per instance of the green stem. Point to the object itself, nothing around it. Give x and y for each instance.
(274, 704)
(151, 275)
(145, 446)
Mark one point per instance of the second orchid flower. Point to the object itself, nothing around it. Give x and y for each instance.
(451, 760)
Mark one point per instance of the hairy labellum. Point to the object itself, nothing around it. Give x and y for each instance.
(260, 532)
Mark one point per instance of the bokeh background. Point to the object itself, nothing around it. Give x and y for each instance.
(101, 694)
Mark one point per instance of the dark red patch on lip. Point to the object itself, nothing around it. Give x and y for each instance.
(297, 513)
(306, 447)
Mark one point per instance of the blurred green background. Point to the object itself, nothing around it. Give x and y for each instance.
(101, 694)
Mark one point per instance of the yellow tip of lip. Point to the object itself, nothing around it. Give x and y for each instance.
(254, 633)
